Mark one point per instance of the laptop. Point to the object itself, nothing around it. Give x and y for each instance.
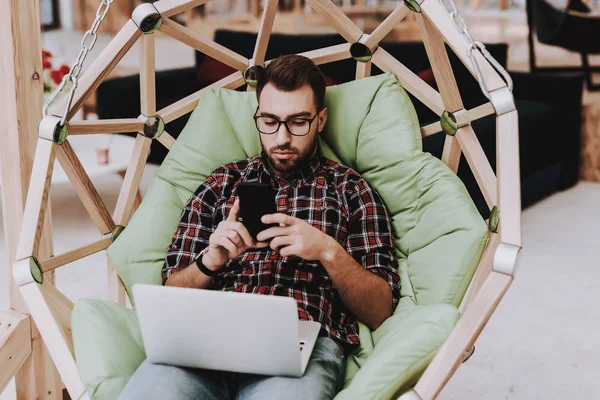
(227, 331)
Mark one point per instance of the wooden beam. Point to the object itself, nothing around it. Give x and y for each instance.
(147, 77)
(90, 127)
(482, 170)
(166, 140)
(329, 54)
(189, 103)
(168, 8)
(52, 333)
(74, 255)
(387, 26)
(204, 45)
(15, 344)
(441, 19)
(61, 308)
(337, 19)
(363, 70)
(85, 188)
(131, 181)
(37, 200)
(463, 117)
(409, 80)
(264, 32)
(116, 288)
(444, 77)
(21, 98)
(100, 68)
(508, 168)
(464, 334)
(484, 269)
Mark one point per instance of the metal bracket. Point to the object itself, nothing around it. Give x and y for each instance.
(154, 126)
(253, 73)
(468, 353)
(27, 271)
(448, 123)
(412, 395)
(50, 129)
(360, 51)
(115, 233)
(414, 5)
(505, 259)
(502, 100)
(147, 18)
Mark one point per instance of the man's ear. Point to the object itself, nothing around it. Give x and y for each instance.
(322, 119)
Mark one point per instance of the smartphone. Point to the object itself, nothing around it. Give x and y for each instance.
(256, 200)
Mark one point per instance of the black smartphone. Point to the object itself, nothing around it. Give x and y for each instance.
(256, 200)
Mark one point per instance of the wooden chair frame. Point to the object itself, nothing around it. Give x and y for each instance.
(51, 310)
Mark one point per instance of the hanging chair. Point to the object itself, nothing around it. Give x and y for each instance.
(443, 245)
(571, 30)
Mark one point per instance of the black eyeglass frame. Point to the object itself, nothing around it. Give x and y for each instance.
(279, 122)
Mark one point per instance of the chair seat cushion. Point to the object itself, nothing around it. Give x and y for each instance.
(403, 347)
(108, 346)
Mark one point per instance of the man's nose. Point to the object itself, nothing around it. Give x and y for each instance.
(283, 136)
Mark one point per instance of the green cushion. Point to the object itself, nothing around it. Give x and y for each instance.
(403, 347)
(108, 346)
(373, 128)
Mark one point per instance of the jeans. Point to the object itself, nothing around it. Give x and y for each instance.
(322, 379)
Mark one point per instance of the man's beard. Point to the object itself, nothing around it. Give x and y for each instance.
(287, 166)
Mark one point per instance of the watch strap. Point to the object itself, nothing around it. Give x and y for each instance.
(203, 268)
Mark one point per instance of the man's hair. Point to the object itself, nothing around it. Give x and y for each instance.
(290, 72)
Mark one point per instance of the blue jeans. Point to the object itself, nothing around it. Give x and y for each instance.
(322, 379)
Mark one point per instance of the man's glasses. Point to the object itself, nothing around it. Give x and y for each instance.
(296, 126)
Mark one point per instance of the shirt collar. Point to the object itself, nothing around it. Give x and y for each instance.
(303, 173)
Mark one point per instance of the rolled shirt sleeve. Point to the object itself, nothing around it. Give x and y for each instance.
(195, 227)
(371, 239)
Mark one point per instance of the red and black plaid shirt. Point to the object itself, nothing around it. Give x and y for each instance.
(327, 195)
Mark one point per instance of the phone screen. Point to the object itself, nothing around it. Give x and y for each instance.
(256, 200)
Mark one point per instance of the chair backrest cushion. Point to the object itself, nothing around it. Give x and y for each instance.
(373, 128)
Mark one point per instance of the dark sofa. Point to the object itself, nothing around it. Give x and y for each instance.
(549, 106)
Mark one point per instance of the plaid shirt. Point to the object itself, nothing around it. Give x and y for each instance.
(327, 195)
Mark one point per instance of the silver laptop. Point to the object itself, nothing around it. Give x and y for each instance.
(212, 329)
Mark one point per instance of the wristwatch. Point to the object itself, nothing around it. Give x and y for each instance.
(203, 268)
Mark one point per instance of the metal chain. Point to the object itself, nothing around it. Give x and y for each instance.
(461, 26)
(87, 44)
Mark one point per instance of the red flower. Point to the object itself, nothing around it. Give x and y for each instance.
(46, 54)
(56, 76)
(46, 64)
(64, 69)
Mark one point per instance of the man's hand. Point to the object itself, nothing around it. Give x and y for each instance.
(296, 237)
(229, 240)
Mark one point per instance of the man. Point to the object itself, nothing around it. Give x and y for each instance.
(332, 248)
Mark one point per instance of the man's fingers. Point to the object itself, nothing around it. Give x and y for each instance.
(278, 219)
(261, 245)
(235, 211)
(243, 232)
(288, 251)
(234, 236)
(280, 241)
(271, 233)
(226, 243)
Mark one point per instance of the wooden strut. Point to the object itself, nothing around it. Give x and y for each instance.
(204, 45)
(101, 67)
(444, 77)
(85, 188)
(463, 117)
(74, 255)
(90, 127)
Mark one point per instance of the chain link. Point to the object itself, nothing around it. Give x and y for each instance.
(461, 27)
(87, 44)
